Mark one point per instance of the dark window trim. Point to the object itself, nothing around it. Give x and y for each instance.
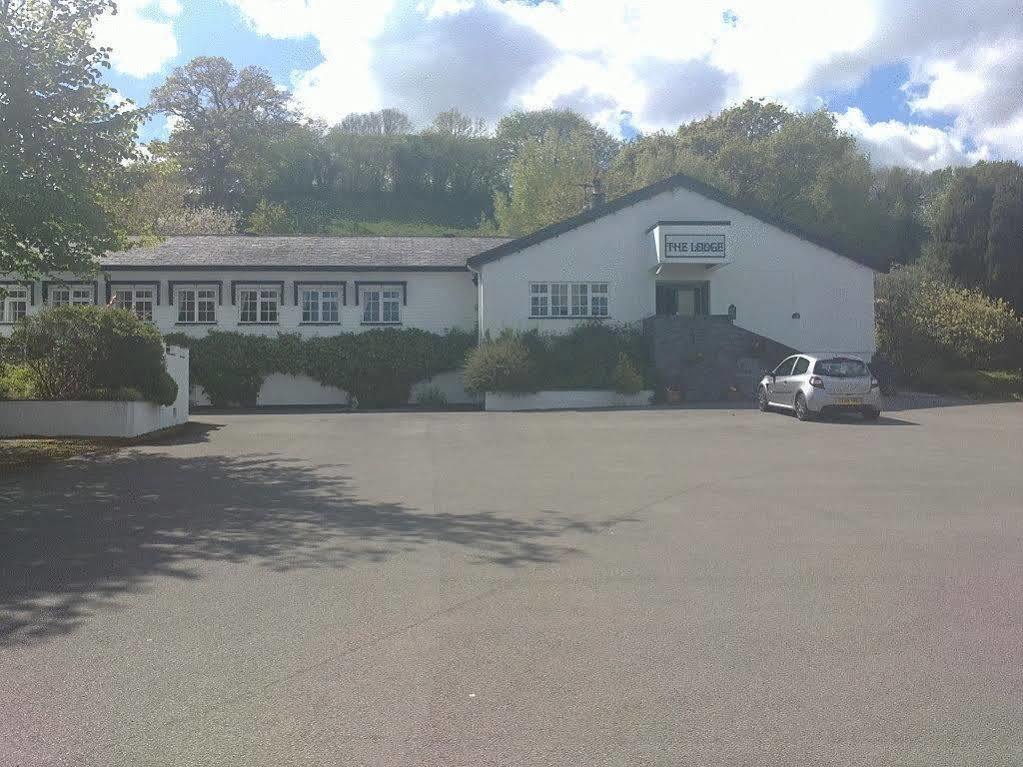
(247, 324)
(261, 268)
(187, 324)
(111, 287)
(24, 284)
(94, 284)
(343, 285)
(219, 284)
(379, 324)
(235, 284)
(321, 324)
(403, 284)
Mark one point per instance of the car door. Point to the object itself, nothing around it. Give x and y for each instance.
(776, 389)
(796, 379)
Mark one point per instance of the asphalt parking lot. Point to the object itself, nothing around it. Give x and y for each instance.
(661, 587)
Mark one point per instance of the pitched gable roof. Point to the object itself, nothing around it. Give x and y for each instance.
(669, 184)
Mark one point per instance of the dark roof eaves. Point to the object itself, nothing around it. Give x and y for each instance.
(666, 185)
(283, 268)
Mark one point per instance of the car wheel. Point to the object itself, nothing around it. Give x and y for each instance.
(762, 401)
(802, 411)
(871, 414)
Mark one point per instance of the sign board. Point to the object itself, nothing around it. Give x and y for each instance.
(694, 246)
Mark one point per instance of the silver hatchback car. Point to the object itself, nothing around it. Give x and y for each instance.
(812, 385)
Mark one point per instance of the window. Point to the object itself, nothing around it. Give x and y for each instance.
(197, 305)
(785, 368)
(321, 305)
(382, 305)
(538, 299)
(568, 299)
(259, 305)
(580, 299)
(75, 295)
(14, 305)
(598, 299)
(841, 367)
(136, 299)
(559, 299)
(802, 365)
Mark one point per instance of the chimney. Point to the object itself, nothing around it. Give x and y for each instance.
(595, 197)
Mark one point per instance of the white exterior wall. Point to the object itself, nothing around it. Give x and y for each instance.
(437, 301)
(772, 275)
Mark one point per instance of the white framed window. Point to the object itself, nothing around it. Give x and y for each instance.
(538, 299)
(137, 299)
(580, 299)
(14, 305)
(321, 305)
(259, 306)
(381, 305)
(568, 299)
(559, 299)
(197, 305)
(598, 300)
(73, 295)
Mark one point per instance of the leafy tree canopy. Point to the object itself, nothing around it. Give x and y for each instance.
(62, 140)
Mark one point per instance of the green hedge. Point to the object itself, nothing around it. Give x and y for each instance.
(591, 356)
(377, 367)
(86, 352)
(926, 325)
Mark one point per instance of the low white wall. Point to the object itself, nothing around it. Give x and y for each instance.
(37, 418)
(280, 390)
(569, 399)
(176, 358)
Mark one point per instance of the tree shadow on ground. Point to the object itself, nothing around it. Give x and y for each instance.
(75, 537)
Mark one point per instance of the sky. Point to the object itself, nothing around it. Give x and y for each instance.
(922, 83)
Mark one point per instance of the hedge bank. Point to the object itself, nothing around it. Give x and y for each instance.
(377, 367)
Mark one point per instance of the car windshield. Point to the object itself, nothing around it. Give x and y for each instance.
(841, 367)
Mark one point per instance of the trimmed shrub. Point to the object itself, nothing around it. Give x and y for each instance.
(588, 357)
(432, 396)
(505, 364)
(89, 352)
(378, 367)
(627, 379)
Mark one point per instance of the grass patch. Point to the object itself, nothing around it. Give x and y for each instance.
(981, 384)
(393, 228)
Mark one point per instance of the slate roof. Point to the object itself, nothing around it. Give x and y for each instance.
(309, 252)
(668, 184)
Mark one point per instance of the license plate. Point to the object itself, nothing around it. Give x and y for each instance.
(849, 401)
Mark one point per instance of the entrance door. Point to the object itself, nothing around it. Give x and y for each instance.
(682, 299)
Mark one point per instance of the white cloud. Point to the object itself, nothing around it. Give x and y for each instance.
(141, 35)
(890, 142)
(665, 60)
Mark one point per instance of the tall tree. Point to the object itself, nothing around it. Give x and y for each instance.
(386, 122)
(226, 120)
(978, 229)
(61, 140)
(454, 123)
(518, 130)
(548, 181)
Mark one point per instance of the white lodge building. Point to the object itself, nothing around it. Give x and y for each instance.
(676, 248)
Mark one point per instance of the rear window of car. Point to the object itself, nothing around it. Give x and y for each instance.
(841, 367)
